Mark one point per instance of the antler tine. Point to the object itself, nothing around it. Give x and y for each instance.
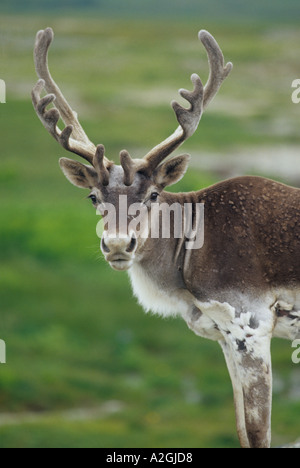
(188, 120)
(79, 143)
(218, 72)
(199, 99)
(129, 167)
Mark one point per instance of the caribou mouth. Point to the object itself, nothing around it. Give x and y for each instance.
(121, 264)
(119, 261)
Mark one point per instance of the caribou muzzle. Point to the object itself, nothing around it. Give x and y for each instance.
(119, 251)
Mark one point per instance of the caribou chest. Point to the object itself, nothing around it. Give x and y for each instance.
(152, 296)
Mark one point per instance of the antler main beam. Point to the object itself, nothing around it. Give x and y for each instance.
(72, 138)
(199, 99)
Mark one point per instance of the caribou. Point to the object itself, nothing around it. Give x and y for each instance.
(241, 286)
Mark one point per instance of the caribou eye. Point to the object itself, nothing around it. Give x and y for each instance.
(154, 196)
(93, 198)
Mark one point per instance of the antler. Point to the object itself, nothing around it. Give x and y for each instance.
(72, 138)
(199, 99)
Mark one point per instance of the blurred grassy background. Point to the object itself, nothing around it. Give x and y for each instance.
(85, 366)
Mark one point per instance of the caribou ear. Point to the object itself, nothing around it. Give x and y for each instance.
(78, 174)
(172, 170)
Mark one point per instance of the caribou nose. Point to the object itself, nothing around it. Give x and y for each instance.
(118, 245)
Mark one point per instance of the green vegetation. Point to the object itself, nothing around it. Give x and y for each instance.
(256, 10)
(75, 336)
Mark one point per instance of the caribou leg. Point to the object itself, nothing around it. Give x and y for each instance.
(238, 395)
(248, 357)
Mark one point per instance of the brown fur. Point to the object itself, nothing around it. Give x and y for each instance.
(253, 225)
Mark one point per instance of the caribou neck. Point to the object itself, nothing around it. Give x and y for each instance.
(161, 255)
